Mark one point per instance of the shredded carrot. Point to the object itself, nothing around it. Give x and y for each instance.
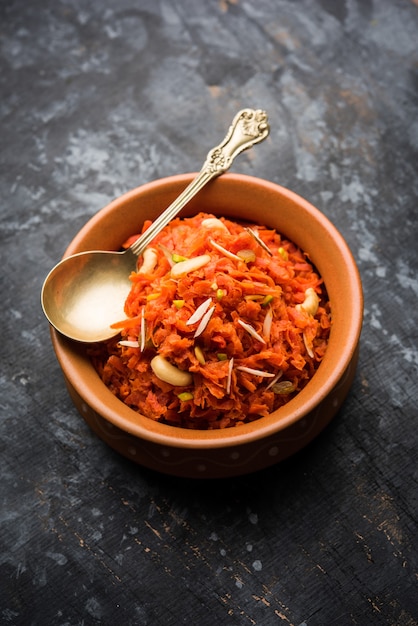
(130, 322)
(248, 314)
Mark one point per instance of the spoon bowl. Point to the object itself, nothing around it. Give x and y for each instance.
(85, 294)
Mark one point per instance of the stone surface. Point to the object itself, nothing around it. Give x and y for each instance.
(97, 98)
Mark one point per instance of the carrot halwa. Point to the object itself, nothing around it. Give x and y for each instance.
(224, 324)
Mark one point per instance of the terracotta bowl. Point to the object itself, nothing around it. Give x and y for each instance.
(253, 446)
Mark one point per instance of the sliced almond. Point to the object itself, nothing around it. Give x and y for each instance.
(268, 320)
(250, 370)
(190, 265)
(275, 379)
(251, 331)
(229, 380)
(199, 313)
(143, 329)
(129, 344)
(256, 236)
(204, 321)
(224, 251)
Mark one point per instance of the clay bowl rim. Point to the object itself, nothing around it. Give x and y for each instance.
(81, 375)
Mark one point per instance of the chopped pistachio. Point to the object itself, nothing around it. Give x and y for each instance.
(254, 297)
(267, 300)
(185, 395)
(222, 356)
(178, 303)
(283, 254)
(248, 256)
(177, 258)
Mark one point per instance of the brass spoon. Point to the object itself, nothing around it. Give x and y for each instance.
(85, 293)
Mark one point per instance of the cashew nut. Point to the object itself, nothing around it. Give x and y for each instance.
(149, 261)
(310, 303)
(213, 222)
(190, 265)
(169, 373)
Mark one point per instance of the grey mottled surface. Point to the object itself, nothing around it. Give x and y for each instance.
(98, 97)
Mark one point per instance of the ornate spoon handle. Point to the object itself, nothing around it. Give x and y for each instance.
(248, 128)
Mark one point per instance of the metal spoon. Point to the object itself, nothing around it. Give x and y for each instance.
(85, 293)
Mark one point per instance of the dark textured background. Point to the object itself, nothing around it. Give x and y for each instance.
(98, 97)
